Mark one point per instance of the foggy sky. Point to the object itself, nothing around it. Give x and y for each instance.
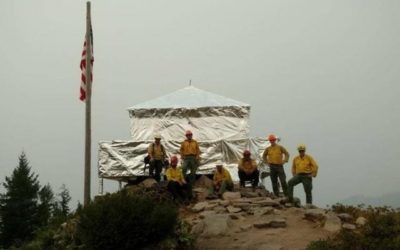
(323, 73)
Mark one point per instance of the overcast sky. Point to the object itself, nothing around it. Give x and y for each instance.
(324, 73)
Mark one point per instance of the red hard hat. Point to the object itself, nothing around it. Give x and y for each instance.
(271, 137)
(246, 152)
(174, 158)
(188, 132)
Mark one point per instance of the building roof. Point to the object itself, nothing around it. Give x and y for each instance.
(188, 97)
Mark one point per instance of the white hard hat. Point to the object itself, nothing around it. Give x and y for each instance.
(157, 136)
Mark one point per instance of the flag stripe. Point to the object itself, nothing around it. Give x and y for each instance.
(83, 67)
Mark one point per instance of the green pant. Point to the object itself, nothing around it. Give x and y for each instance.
(190, 162)
(306, 179)
(277, 171)
(225, 185)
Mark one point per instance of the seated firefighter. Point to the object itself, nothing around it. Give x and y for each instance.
(157, 154)
(222, 181)
(248, 170)
(176, 183)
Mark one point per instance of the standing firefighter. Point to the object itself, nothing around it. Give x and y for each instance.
(190, 154)
(275, 156)
(156, 152)
(303, 169)
(248, 170)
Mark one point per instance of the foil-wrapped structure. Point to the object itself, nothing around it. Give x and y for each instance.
(219, 124)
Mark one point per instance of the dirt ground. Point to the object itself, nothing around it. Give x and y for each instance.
(297, 235)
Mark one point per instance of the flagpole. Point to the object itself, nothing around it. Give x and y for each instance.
(88, 129)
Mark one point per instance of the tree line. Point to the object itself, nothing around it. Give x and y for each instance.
(26, 206)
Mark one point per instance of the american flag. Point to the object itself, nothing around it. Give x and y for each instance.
(83, 65)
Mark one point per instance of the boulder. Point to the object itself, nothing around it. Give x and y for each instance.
(232, 209)
(231, 195)
(199, 206)
(361, 221)
(332, 223)
(216, 225)
(148, 183)
(345, 217)
(315, 214)
(243, 206)
(348, 226)
(219, 209)
(210, 206)
(278, 222)
(274, 222)
(262, 223)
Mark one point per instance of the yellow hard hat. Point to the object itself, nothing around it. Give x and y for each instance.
(301, 147)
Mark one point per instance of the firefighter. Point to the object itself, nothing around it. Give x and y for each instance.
(176, 183)
(157, 154)
(247, 170)
(275, 156)
(190, 154)
(304, 168)
(222, 181)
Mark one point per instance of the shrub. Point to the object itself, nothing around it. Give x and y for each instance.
(185, 240)
(321, 245)
(382, 231)
(125, 221)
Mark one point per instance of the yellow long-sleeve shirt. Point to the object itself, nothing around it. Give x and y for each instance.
(248, 166)
(224, 175)
(156, 152)
(174, 174)
(190, 147)
(304, 165)
(274, 155)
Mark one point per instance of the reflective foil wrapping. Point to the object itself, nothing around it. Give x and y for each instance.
(218, 123)
(124, 159)
(206, 123)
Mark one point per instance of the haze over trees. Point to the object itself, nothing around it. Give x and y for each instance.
(26, 206)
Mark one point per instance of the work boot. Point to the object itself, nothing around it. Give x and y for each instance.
(289, 204)
(309, 206)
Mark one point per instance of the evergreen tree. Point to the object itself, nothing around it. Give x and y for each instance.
(61, 210)
(19, 205)
(45, 209)
(65, 199)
